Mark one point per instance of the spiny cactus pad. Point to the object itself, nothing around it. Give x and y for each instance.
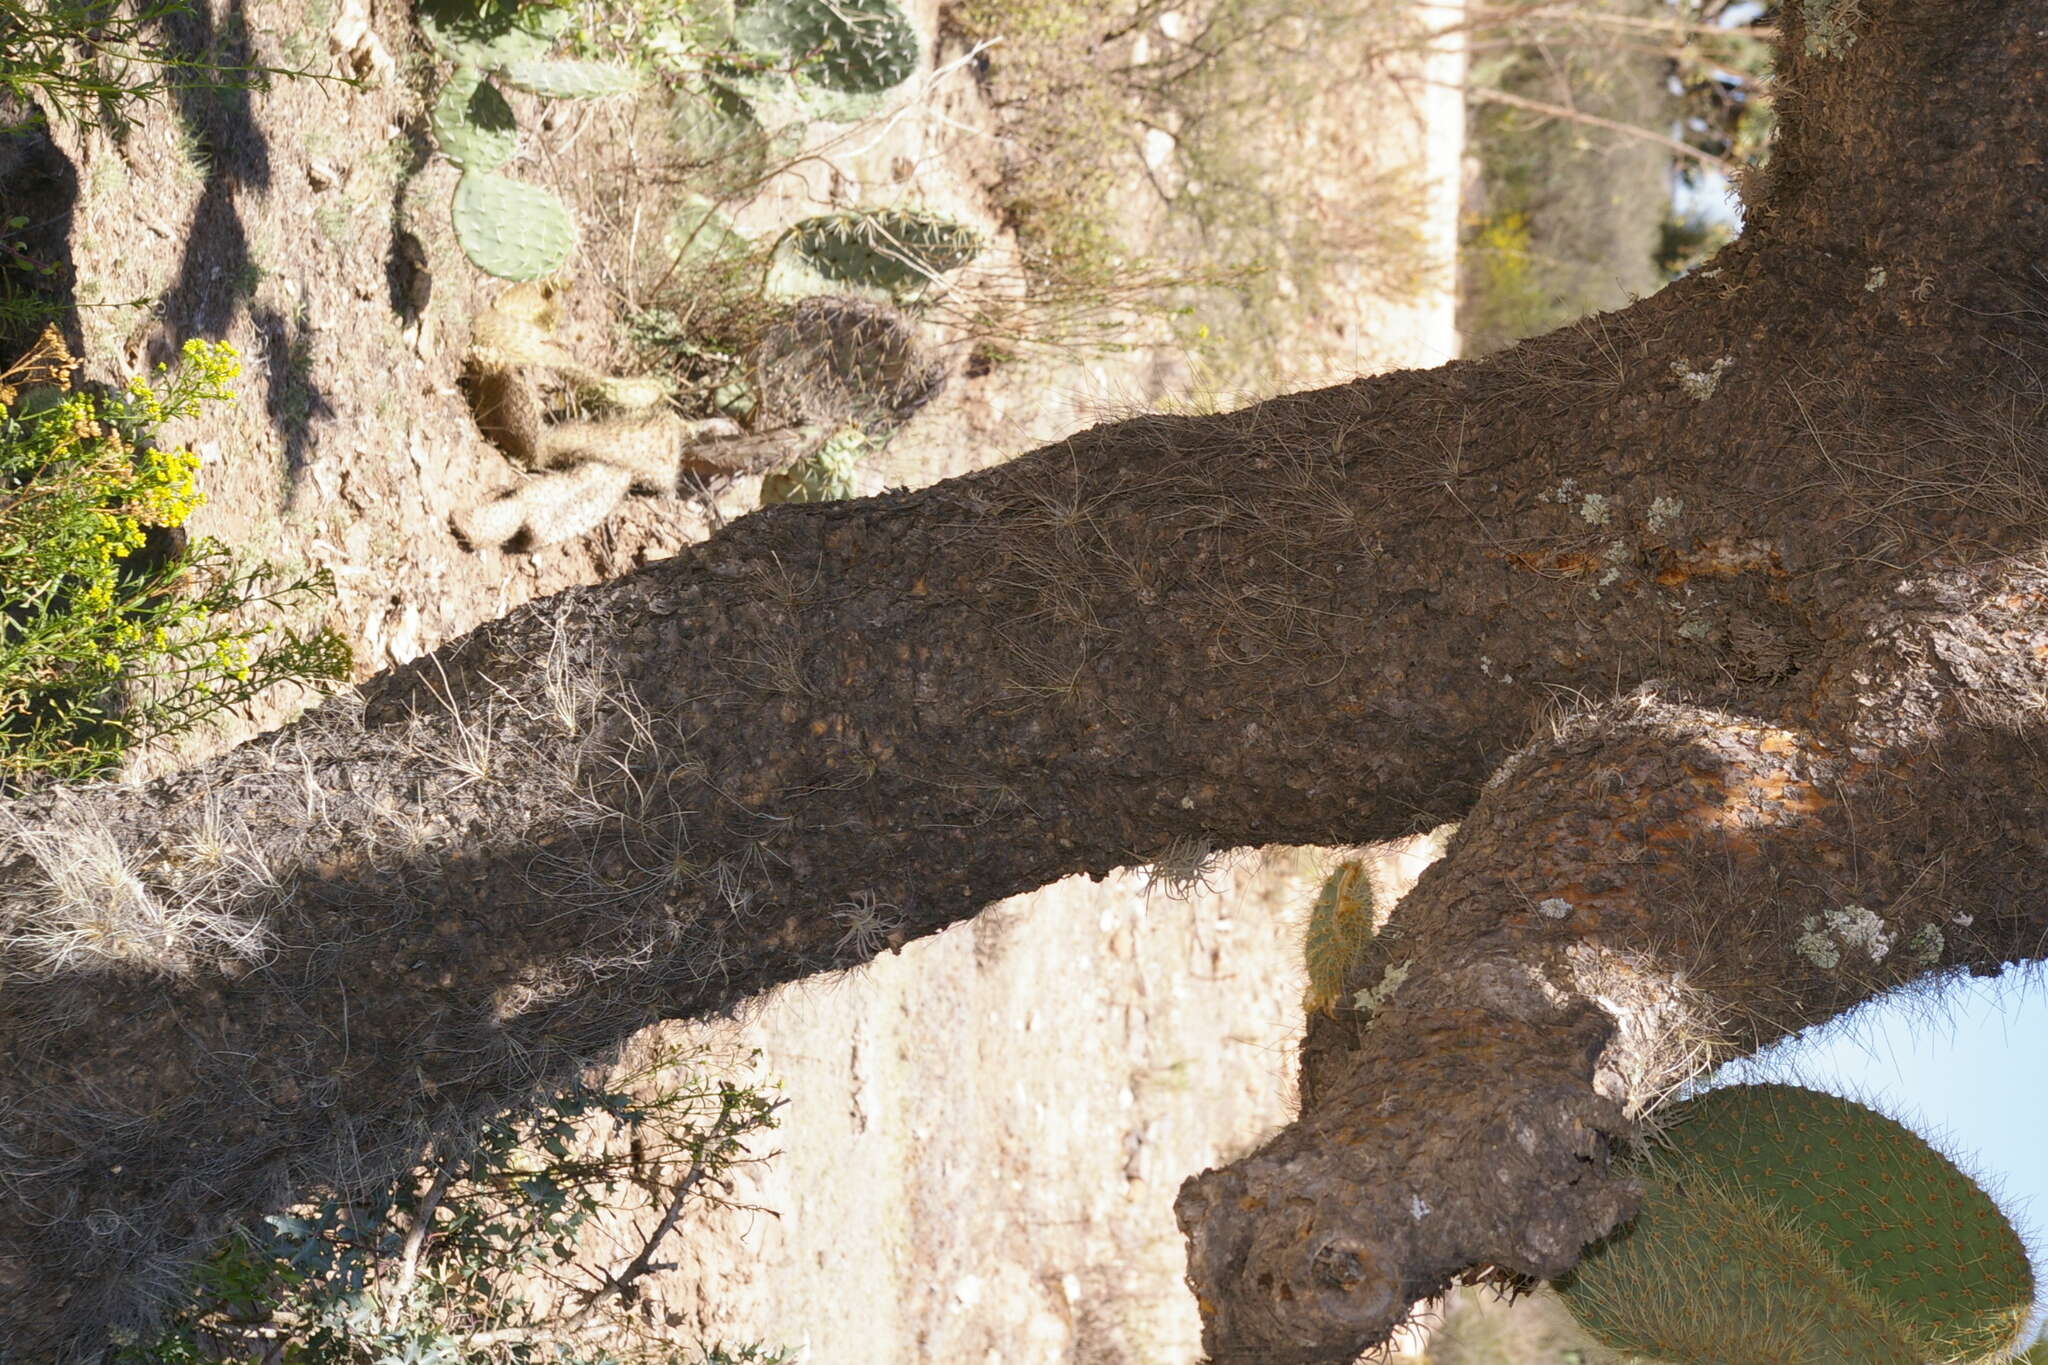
(469, 34)
(854, 47)
(838, 360)
(473, 126)
(1339, 924)
(509, 228)
(567, 80)
(1782, 1226)
(899, 250)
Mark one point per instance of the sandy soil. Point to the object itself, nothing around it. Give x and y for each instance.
(985, 1133)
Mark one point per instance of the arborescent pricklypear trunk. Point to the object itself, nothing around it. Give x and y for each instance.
(1721, 622)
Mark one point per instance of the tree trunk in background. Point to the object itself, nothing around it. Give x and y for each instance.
(1757, 562)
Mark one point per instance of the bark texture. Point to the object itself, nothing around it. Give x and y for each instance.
(1721, 622)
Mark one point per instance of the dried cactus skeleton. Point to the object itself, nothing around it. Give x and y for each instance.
(833, 364)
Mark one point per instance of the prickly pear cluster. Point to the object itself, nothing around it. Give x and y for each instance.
(901, 251)
(506, 227)
(1788, 1226)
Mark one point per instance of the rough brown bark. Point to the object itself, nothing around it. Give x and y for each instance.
(1720, 621)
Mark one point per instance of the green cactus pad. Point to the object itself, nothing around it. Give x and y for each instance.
(712, 17)
(901, 251)
(852, 47)
(567, 80)
(779, 99)
(469, 34)
(824, 476)
(702, 235)
(728, 147)
(473, 126)
(1781, 1224)
(509, 228)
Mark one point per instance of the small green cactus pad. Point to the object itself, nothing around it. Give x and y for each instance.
(780, 99)
(827, 475)
(1785, 1225)
(473, 126)
(567, 80)
(726, 146)
(852, 47)
(472, 34)
(711, 17)
(509, 228)
(701, 235)
(1339, 924)
(899, 250)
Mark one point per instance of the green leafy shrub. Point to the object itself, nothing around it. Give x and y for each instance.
(102, 648)
(94, 62)
(436, 1268)
(25, 277)
(1504, 283)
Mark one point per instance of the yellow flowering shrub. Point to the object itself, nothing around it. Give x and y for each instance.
(102, 647)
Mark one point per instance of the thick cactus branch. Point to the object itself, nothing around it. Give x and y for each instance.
(1757, 562)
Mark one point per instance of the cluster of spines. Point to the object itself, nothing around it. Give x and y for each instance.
(1785, 1225)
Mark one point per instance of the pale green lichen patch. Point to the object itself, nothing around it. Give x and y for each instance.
(1369, 1000)
(1855, 927)
(1852, 929)
(1594, 510)
(1874, 281)
(1663, 512)
(1557, 907)
(1818, 949)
